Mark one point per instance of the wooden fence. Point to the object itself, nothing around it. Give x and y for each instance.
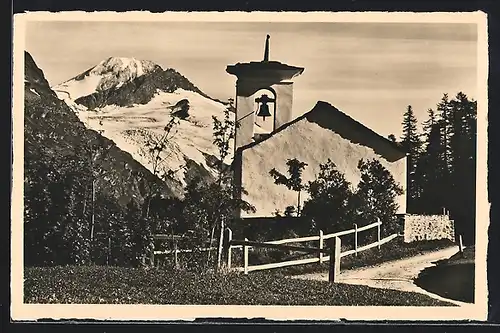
(175, 251)
(323, 255)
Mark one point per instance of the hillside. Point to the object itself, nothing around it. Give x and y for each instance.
(56, 140)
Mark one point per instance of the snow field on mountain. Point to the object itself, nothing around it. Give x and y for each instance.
(110, 73)
(74, 89)
(130, 128)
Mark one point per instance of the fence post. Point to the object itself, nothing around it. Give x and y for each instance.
(378, 232)
(245, 257)
(152, 258)
(321, 246)
(229, 239)
(176, 262)
(355, 239)
(108, 255)
(460, 244)
(334, 268)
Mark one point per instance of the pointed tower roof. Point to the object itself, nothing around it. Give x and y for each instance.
(267, 69)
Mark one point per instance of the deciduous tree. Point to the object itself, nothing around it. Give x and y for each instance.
(331, 200)
(294, 179)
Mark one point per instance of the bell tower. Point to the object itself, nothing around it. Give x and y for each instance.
(264, 96)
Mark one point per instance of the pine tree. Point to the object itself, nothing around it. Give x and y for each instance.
(430, 167)
(429, 124)
(411, 143)
(445, 112)
(447, 166)
(431, 170)
(463, 157)
(39, 225)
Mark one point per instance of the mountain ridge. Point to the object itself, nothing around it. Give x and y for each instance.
(123, 82)
(54, 137)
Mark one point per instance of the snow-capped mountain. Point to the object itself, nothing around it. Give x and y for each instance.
(55, 139)
(131, 101)
(111, 73)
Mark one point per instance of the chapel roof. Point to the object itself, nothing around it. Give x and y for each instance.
(330, 118)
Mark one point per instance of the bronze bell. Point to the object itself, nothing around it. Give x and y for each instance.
(264, 111)
(264, 108)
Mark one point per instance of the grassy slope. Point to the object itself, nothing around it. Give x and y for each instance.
(451, 278)
(467, 257)
(113, 285)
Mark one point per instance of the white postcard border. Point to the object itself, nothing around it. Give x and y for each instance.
(20, 311)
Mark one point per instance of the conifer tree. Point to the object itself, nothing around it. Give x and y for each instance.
(410, 142)
(463, 157)
(431, 170)
(444, 117)
(428, 124)
(446, 167)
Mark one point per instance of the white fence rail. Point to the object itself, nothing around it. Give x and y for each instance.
(320, 251)
(203, 249)
(175, 251)
(322, 255)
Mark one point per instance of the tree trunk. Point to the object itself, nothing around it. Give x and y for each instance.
(148, 203)
(219, 250)
(92, 217)
(85, 201)
(211, 243)
(92, 220)
(298, 203)
(108, 256)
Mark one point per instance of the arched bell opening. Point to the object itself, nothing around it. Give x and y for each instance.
(265, 111)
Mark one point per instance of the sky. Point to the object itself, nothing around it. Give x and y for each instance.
(370, 71)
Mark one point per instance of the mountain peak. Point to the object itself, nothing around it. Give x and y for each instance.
(131, 66)
(122, 81)
(110, 73)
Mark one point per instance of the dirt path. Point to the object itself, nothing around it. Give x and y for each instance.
(397, 274)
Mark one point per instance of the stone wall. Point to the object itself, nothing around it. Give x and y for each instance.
(428, 227)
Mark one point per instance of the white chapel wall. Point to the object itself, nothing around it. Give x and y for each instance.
(312, 144)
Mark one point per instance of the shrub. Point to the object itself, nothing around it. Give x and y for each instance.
(376, 197)
(330, 207)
